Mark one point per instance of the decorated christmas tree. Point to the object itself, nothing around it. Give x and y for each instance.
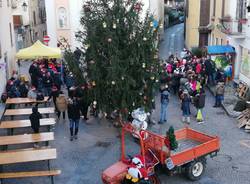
(120, 54)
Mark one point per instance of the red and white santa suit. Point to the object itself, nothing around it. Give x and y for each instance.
(137, 168)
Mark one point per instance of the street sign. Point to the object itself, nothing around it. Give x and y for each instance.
(46, 39)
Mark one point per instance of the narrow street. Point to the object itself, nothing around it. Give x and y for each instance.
(231, 166)
(173, 41)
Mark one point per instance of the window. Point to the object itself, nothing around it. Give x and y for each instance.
(11, 38)
(214, 10)
(34, 17)
(212, 39)
(8, 3)
(241, 9)
(62, 18)
(223, 8)
(217, 41)
(221, 41)
(187, 7)
(1, 3)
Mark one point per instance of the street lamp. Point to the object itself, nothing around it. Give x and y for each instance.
(25, 6)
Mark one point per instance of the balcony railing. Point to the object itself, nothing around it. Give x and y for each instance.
(233, 27)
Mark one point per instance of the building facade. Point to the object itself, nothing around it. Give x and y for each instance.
(65, 15)
(231, 22)
(219, 13)
(197, 24)
(7, 43)
(29, 22)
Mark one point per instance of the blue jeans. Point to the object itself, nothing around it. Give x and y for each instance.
(163, 116)
(218, 100)
(73, 124)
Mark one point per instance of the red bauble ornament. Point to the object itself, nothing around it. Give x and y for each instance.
(138, 7)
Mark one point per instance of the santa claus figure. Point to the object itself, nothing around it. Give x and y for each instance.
(137, 171)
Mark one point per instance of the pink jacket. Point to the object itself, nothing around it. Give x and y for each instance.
(198, 68)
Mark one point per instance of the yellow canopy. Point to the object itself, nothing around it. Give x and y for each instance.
(39, 50)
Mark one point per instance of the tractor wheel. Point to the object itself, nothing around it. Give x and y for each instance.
(195, 169)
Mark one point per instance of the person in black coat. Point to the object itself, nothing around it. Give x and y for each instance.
(23, 89)
(81, 95)
(54, 94)
(35, 121)
(74, 117)
(199, 102)
(47, 83)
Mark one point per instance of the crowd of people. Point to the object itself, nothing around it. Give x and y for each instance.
(50, 78)
(187, 77)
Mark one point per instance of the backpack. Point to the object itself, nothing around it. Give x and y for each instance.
(4, 97)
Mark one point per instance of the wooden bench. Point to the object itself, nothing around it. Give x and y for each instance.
(29, 174)
(20, 112)
(50, 173)
(12, 157)
(25, 100)
(26, 123)
(28, 155)
(16, 112)
(26, 138)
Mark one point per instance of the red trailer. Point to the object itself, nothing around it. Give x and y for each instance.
(190, 156)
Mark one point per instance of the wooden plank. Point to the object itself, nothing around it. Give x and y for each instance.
(247, 127)
(25, 149)
(26, 138)
(242, 123)
(29, 174)
(25, 100)
(16, 112)
(26, 123)
(27, 156)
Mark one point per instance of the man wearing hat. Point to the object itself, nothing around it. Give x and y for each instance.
(164, 103)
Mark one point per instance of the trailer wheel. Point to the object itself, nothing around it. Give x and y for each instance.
(154, 180)
(195, 169)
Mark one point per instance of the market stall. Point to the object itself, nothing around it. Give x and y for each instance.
(39, 50)
(224, 57)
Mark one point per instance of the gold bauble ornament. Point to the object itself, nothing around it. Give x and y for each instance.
(87, 46)
(144, 39)
(113, 82)
(104, 24)
(114, 26)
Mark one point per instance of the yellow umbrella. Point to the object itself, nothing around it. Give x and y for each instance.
(39, 50)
